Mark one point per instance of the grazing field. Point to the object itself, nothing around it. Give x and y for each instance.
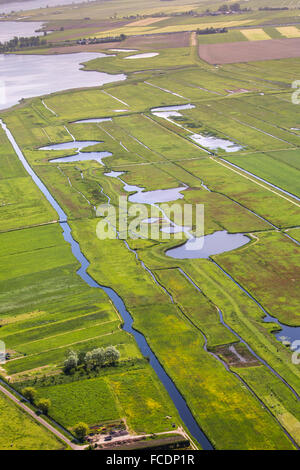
(276, 172)
(272, 286)
(131, 395)
(21, 432)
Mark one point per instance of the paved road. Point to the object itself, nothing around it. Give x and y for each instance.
(40, 420)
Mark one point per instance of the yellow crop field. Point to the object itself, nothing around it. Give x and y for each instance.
(148, 21)
(255, 34)
(289, 31)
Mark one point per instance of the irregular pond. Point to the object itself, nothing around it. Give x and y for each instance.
(208, 245)
(79, 156)
(215, 143)
(83, 156)
(26, 76)
(75, 144)
(87, 121)
(170, 111)
(10, 29)
(147, 55)
(158, 196)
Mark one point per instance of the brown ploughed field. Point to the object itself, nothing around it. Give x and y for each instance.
(234, 52)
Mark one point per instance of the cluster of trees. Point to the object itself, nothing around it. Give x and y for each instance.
(43, 404)
(212, 30)
(233, 7)
(81, 430)
(91, 360)
(21, 43)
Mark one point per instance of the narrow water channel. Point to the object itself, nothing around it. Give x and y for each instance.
(144, 347)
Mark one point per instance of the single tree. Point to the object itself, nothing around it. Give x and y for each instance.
(88, 360)
(29, 393)
(44, 404)
(112, 355)
(98, 357)
(71, 361)
(81, 430)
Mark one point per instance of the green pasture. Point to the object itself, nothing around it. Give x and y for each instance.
(20, 432)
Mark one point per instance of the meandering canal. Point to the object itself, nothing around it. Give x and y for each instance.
(143, 345)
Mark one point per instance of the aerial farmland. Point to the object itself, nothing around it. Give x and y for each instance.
(150, 225)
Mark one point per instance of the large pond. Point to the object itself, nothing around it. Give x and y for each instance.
(34, 4)
(10, 29)
(26, 76)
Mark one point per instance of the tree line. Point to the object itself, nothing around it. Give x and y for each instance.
(21, 43)
(212, 30)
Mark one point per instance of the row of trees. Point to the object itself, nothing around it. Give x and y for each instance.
(91, 360)
(95, 40)
(21, 43)
(212, 30)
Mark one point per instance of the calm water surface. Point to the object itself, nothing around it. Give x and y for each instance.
(34, 4)
(10, 29)
(26, 76)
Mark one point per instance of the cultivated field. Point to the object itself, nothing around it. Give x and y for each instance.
(249, 51)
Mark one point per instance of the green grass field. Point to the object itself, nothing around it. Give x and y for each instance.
(20, 432)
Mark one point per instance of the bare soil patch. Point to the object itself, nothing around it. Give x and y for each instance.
(158, 41)
(235, 52)
(236, 355)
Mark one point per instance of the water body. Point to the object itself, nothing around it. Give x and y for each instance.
(34, 4)
(123, 50)
(170, 111)
(147, 55)
(87, 121)
(215, 143)
(75, 144)
(209, 142)
(26, 76)
(10, 29)
(158, 196)
(79, 156)
(208, 245)
(145, 349)
(83, 156)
